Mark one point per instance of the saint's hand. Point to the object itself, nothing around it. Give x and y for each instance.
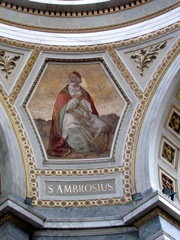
(78, 97)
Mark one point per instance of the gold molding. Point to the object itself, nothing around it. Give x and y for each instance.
(24, 75)
(9, 217)
(156, 212)
(93, 48)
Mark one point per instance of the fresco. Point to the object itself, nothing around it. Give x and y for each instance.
(76, 109)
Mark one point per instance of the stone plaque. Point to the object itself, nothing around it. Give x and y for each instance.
(76, 188)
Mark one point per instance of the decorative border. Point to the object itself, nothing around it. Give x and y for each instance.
(37, 48)
(87, 60)
(156, 212)
(25, 73)
(132, 138)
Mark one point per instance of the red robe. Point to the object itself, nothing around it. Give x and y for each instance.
(57, 145)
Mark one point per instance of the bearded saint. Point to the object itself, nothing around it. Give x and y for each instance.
(75, 122)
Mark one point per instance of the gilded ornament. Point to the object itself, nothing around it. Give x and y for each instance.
(168, 152)
(175, 122)
(167, 182)
(7, 64)
(178, 95)
(146, 56)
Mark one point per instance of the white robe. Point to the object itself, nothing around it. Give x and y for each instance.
(83, 131)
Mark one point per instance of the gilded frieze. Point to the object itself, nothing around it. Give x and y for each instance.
(9, 217)
(156, 212)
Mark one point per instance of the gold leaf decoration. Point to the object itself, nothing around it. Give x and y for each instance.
(167, 182)
(146, 56)
(168, 152)
(175, 123)
(7, 64)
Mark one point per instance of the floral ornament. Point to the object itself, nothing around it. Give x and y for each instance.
(146, 56)
(7, 64)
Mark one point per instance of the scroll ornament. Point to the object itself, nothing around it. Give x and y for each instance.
(7, 64)
(146, 56)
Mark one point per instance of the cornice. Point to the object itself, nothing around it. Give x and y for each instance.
(155, 204)
(72, 13)
(156, 212)
(94, 29)
(9, 217)
(13, 210)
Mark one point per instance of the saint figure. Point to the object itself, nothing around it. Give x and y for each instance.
(75, 122)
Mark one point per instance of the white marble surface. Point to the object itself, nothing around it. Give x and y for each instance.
(82, 223)
(74, 39)
(12, 172)
(86, 232)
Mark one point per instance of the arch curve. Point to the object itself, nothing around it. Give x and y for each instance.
(146, 161)
(13, 177)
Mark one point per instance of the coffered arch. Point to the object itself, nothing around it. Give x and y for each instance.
(146, 163)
